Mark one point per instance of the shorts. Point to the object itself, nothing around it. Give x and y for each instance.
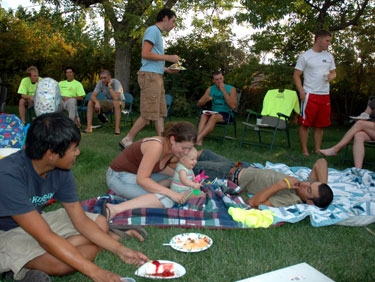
(28, 103)
(107, 105)
(17, 247)
(225, 116)
(125, 184)
(152, 104)
(315, 111)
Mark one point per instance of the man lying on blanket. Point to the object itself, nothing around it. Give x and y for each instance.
(269, 187)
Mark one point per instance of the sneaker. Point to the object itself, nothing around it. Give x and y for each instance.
(32, 275)
(102, 117)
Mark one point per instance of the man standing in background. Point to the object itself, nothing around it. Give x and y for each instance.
(318, 68)
(71, 91)
(150, 76)
(27, 90)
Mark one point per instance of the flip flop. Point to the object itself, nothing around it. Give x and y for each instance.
(85, 131)
(104, 211)
(121, 229)
(116, 133)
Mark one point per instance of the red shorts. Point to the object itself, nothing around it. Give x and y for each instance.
(315, 111)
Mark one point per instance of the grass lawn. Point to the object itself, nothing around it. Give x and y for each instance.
(342, 253)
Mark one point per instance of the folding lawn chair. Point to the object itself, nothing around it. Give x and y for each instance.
(278, 105)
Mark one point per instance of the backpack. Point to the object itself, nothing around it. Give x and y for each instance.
(47, 96)
(12, 131)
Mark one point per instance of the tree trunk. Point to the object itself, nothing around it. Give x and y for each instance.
(123, 63)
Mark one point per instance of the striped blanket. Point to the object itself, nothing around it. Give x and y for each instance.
(353, 203)
(209, 212)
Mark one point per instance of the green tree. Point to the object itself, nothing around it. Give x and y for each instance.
(51, 42)
(285, 29)
(129, 19)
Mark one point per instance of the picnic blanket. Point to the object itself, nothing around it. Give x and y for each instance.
(353, 203)
(209, 212)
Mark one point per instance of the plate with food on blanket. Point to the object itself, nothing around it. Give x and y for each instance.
(161, 269)
(191, 242)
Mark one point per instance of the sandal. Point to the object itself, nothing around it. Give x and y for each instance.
(121, 145)
(104, 211)
(121, 230)
(116, 133)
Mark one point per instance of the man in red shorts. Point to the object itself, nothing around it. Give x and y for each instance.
(318, 68)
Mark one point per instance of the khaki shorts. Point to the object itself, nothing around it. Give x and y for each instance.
(107, 105)
(152, 104)
(17, 247)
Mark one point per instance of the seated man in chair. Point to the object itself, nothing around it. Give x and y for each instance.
(223, 98)
(114, 97)
(71, 92)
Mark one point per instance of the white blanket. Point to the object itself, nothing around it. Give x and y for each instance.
(353, 203)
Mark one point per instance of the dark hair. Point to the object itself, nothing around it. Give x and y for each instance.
(165, 12)
(182, 131)
(322, 33)
(69, 68)
(325, 196)
(52, 131)
(217, 72)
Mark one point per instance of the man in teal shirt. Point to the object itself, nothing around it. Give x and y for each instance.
(27, 90)
(71, 91)
(223, 98)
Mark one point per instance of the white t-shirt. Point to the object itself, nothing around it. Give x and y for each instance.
(315, 65)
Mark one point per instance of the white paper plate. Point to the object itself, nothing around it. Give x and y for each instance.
(180, 68)
(359, 118)
(206, 112)
(181, 242)
(179, 271)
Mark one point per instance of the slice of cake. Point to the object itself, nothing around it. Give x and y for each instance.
(162, 269)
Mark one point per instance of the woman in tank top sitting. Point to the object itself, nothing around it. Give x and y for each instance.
(141, 173)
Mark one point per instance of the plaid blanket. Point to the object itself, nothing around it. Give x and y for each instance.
(209, 212)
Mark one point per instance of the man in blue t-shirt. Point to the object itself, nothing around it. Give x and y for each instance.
(150, 76)
(34, 245)
(223, 98)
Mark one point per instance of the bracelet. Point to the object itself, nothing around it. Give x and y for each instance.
(287, 182)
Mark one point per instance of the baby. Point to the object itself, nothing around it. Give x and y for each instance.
(183, 178)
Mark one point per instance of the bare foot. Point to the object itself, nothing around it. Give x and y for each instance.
(87, 130)
(328, 152)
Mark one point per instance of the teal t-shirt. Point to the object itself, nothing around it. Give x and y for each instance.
(218, 101)
(72, 88)
(27, 87)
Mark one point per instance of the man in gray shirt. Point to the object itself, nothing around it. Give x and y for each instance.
(114, 100)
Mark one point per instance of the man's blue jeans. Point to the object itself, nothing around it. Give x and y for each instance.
(214, 165)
